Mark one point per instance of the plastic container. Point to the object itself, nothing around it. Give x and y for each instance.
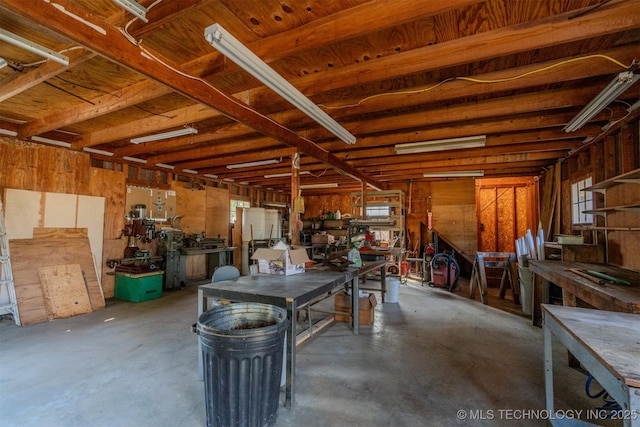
(391, 295)
(242, 352)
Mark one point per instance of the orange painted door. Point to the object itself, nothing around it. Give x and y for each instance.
(504, 212)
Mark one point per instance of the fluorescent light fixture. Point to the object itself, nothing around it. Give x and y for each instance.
(256, 163)
(165, 135)
(8, 132)
(230, 47)
(618, 85)
(134, 8)
(190, 171)
(311, 186)
(3, 62)
(634, 106)
(164, 165)
(51, 141)
(32, 47)
(374, 187)
(453, 174)
(282, 175)
(442, 145)
(228, 179)
(134, 159)
(94, 151)
(209, 175)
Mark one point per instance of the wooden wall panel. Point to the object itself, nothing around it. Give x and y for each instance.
(191, 204)
(110, 185)
(217, 213)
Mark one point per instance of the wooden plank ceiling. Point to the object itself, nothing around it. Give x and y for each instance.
(389, 71)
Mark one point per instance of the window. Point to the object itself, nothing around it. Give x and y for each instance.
(378, 211)
(237, 204)
(581, 201)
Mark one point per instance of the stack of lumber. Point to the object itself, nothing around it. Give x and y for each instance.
(55, 276)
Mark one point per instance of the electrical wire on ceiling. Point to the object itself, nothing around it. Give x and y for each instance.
(475, 80)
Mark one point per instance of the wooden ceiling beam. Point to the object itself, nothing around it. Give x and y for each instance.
(115, 47)
(21, 81)
(614, 16)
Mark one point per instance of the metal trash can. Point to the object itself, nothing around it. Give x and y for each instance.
(242, 350)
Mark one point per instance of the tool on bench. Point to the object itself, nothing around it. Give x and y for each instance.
(608, 278)
(584, 275)
(598, 277)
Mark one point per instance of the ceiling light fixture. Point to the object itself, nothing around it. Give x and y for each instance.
(164, 165)
(95, 151)
(230, 47)
(188, 130)
(3, 63)
(312, 186)
(134, 159)
(614, 89)
(453, 174)
(134, 8)
(256, 163)
(194, 172)
(442, 144)
(32, 47)
(282, 175)
(209, 175)
(51, 141)
(8, 132)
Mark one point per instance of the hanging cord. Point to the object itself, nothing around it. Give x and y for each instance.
(610, 405)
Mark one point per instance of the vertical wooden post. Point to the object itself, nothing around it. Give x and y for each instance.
(364, 199)
(294, 217)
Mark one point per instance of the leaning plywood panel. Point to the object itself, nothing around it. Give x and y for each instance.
(60, 210)
(29, 254)
(91, 216)
(64, 290)
(54, 232)
(22, 213)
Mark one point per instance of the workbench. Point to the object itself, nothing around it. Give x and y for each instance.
(607, 344)
(578, 290)
(289, 292)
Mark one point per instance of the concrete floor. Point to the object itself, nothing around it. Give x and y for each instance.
(424, 359)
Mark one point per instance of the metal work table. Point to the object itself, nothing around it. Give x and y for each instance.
(289, 292)
(607, 344)
(608, 297)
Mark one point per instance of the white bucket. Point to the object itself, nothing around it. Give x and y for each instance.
(391, 295)
(526, 289)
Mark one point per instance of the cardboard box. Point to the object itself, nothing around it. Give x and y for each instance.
(282, 262)
(366, 305)
(323, 239)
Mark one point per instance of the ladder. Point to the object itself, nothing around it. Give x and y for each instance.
(8, 301)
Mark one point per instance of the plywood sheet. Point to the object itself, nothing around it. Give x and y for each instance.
(27, 255)
(64, 291)
(91, 216)
(60, 210)
(22, 213)
(217, 213)
(54, 232)
(190, 204)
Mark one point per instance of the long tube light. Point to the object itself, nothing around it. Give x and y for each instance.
(51, 141)
(8, 132)
(285, 174)
(311, 186)
(95, 151)
(32, 47)
(442, 144)
(134, 159)
(3, 62)
(618, 85)
(134, 8)
(230, 47)
(251, 164)
(453, 174)
(165, 135)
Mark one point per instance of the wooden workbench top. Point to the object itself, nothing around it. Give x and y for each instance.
(613, 338)
(605, 297)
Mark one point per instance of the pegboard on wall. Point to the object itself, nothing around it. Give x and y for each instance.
(159, 203)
